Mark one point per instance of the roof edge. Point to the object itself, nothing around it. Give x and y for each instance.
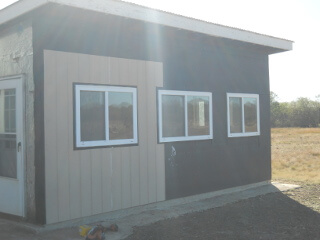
(134, 11)
(19, 8)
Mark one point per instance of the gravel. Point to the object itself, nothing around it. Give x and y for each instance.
(294, 214)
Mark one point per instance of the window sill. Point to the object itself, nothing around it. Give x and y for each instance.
(182, 139)
(243, 135)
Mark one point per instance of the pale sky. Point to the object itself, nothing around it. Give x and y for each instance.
(293, 74)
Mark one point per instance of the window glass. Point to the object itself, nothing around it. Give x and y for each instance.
(243, 113)
(92, 115)
(105, 115)
(235, 111)
(8, 137)
(173, 116)
(250, 114)
(120, 115)
(8, 155)
(184, 115)
(198, 115)
(10, 110)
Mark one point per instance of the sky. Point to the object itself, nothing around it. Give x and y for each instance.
(293, 74)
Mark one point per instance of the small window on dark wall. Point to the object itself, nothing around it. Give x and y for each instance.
(243, 115)
(105, 115)
(184, 116)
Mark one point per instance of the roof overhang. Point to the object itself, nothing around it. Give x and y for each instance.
(130, 10)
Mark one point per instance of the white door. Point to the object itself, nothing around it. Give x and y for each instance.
(11, 146)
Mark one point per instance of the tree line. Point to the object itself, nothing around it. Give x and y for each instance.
(303, 112)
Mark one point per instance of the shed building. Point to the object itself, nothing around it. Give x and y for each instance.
(107, 105)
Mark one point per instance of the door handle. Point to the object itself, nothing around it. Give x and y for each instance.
(19, 146)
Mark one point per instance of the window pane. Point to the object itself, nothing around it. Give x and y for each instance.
(10, 110)
(10, 92)
(250, 114)
(92, 116)
(173, 120)
(12, 118)
(198, 116)
(120, 115)
(8, 155)
(8, 142)
(235, 115)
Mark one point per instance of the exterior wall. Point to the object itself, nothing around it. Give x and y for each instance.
(204, 166)
(86, 182)
(16, 57)
(191, 62)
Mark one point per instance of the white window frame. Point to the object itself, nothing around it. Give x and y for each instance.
(107, 141)
(185, 94)
(243, 95)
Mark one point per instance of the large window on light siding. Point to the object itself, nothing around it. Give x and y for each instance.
(184, 115)
(243, 115)
(105, 115)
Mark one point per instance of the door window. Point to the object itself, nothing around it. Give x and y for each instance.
(8, 136)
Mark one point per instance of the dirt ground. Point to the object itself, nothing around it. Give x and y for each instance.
(294, 214)
(291, 215)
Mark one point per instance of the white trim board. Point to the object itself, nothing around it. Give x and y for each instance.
(129, 10)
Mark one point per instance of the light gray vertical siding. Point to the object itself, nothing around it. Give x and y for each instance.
(81, 183)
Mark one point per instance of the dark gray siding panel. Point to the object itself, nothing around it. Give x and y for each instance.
(204, 166)
(191, 61)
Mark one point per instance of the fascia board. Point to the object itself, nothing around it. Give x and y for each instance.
(130, 10)
(133, 11)
(19, 8)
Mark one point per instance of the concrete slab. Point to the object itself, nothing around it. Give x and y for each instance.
(144, 215)
(283, 187)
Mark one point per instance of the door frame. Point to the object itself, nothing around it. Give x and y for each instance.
(20, 123)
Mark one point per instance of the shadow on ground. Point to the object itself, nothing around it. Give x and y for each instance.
(256, 216)
(271, 216)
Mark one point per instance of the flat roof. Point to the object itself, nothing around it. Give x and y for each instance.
(134, 11)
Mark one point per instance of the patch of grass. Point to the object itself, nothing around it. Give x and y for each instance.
(315, 154)
(296, 154)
